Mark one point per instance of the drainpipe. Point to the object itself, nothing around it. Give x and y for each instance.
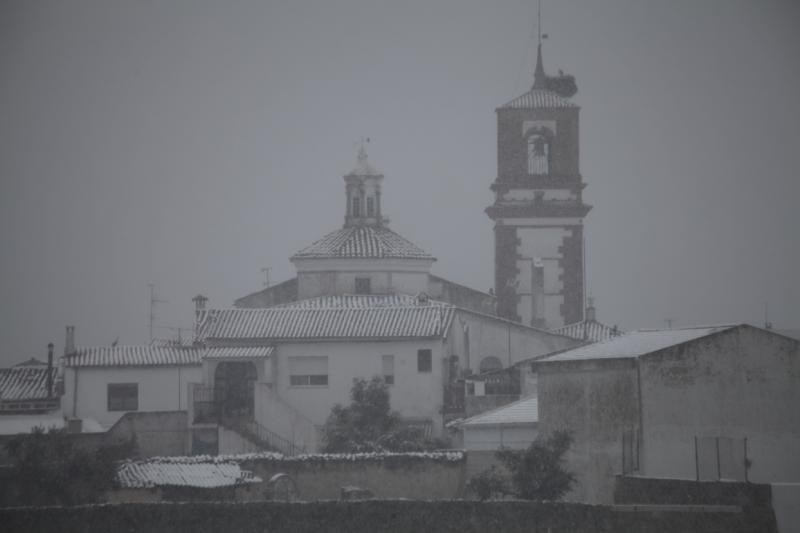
(639, 443)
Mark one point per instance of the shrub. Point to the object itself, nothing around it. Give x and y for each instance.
(537, 473)
(489, 484)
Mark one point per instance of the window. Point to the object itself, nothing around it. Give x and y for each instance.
(363, 286)
(424, 361)
(356, 206)
(538, 155)
(123, 396)
(370, 207)
(308, 371)
(388, 369)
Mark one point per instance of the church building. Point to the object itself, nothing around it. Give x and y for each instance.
(538, 209)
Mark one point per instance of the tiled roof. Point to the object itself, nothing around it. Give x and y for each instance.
(25, 382)
(525, 411)
(146, 474)
(588, 330)
(635, 344)
(238, 352)
(354, 301)
(537, 98)
(287, 323)
(369, 242)
(140, 355)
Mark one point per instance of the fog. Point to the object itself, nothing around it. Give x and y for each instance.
(190, 144)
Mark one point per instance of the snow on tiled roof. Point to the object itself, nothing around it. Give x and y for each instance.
(635, 344)
(281, 323)
(238, 352)
(359, 301)
(370, 242)
(154, 473)
(536, 98)
(138, 355)
(25, 382)
(525, 411)
(588, 330)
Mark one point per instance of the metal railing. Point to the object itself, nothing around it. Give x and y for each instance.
(263, 437)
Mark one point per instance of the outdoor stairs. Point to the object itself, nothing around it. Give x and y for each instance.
(262, 437)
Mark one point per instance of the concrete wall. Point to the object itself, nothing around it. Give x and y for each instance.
(413, 394)
(595, 402)
(283, 419)
(161, 388)
(740, 384)
(491, 336)
(492, 438)
(786, 504)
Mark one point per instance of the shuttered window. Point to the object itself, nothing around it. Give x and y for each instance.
(308, 371)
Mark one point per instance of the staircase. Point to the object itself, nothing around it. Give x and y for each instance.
(262, 437)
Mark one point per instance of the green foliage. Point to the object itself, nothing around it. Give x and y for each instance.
(48, 469)
(488, 484)
(368, 424)
(537, 473)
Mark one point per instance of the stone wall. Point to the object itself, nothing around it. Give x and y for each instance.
(640, 490)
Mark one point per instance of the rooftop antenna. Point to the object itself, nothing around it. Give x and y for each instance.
(265, 271)
(153, 302)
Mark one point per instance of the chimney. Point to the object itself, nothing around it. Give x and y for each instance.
(69, 344)
(50, 370)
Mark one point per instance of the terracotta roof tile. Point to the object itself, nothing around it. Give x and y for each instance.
(372, 242)
(538, 98)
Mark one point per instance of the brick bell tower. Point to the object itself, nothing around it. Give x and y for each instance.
(538, 209)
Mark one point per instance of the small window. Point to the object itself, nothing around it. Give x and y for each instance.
(370, 207)
(388, 369)
(308, 371)
(123, 396)
(356, 206)
(424, 361)
(363, 286)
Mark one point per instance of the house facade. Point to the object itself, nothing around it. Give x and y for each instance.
(101, 384)
(702, 403)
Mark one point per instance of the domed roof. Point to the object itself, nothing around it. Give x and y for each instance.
(365, 242)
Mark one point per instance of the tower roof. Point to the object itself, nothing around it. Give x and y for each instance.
(537, 99)
(364, 242)
(363, 168)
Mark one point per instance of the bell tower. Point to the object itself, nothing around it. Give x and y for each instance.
(538, 209)
(363, 193)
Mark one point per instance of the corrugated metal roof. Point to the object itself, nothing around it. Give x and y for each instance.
(538, 98)
(139, 355)
(635, 344)
(525, 411)
(146, 474)
(371, 242)
(588, 330)
(355, 301)
(282, 323)
(25, 382)
(238, 352)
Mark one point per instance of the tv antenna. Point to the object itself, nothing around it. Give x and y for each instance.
(153, 302)
(265, 271)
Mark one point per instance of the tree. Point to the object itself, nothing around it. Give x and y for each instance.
(368, 424)
(48, 469)
(537, 473)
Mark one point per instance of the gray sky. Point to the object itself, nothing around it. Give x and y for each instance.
(190, 143)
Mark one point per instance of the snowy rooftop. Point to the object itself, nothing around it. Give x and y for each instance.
(146, 474)
(635, 344)
(25, 382)
(536, 98)
(364, 242)
(136, 355)
(525, 411)
(588, 330)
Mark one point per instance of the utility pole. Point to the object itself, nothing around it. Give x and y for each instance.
(153, 302)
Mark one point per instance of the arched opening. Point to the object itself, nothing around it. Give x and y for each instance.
(538, 154)
(490, 364)
(233, 388)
